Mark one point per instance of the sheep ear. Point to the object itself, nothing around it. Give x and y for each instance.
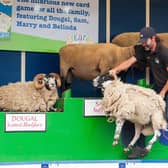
(39, 81)
(57, 78)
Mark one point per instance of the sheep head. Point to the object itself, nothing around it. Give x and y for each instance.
(50, 81)
(39, 81)
(102, 80)
(57, 78)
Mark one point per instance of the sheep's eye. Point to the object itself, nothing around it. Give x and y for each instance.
(40, 81)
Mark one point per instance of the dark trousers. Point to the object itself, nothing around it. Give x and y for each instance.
(128, 132)
(166, 99)
(128, 129)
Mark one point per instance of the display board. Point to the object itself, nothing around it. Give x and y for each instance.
(45, 26)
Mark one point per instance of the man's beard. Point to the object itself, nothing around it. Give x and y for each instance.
(148, 47)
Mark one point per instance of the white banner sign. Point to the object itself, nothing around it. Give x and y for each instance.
(66, 20)
(25, 122)
(93, 107)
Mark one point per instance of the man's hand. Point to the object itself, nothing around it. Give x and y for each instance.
(164, 90)
(113, 73)
(162, 93)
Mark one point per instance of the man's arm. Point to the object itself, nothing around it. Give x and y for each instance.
(165, 88)
(123, 66)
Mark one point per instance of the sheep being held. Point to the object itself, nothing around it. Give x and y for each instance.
(33, 96)
(141, 106)
(86, 61)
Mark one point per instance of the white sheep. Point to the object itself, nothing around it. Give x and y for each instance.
(33, 96)
(141, 106)
(86, 61)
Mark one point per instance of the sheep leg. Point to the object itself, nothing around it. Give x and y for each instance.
(66, 81)
(68, 78)
(138, 129)
(153, 140)
(63, 87)
(119, 125)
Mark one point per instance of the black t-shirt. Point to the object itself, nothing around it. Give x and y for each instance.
(157, 61)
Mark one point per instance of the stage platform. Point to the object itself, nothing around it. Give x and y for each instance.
(69, 135)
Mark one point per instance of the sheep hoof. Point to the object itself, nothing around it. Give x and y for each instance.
(55, 109)
(114, 143)
(59, 110)
(148, 148)
(126, 149)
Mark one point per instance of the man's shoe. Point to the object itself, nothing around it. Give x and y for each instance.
(137, 152)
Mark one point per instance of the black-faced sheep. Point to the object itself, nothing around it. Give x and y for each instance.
(38, 95)
(86, 61)
(131, 38)
(141, 106)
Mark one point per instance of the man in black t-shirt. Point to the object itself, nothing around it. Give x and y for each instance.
(151, 52)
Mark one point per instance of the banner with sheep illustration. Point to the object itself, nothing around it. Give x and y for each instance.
(47, 25)
(5, 18)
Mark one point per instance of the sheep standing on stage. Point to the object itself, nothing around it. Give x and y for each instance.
(141, 106)
(86, 61)
(33, 96)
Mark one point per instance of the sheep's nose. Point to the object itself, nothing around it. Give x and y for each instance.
(53, 85)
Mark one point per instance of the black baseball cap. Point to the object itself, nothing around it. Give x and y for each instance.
(145, 33)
